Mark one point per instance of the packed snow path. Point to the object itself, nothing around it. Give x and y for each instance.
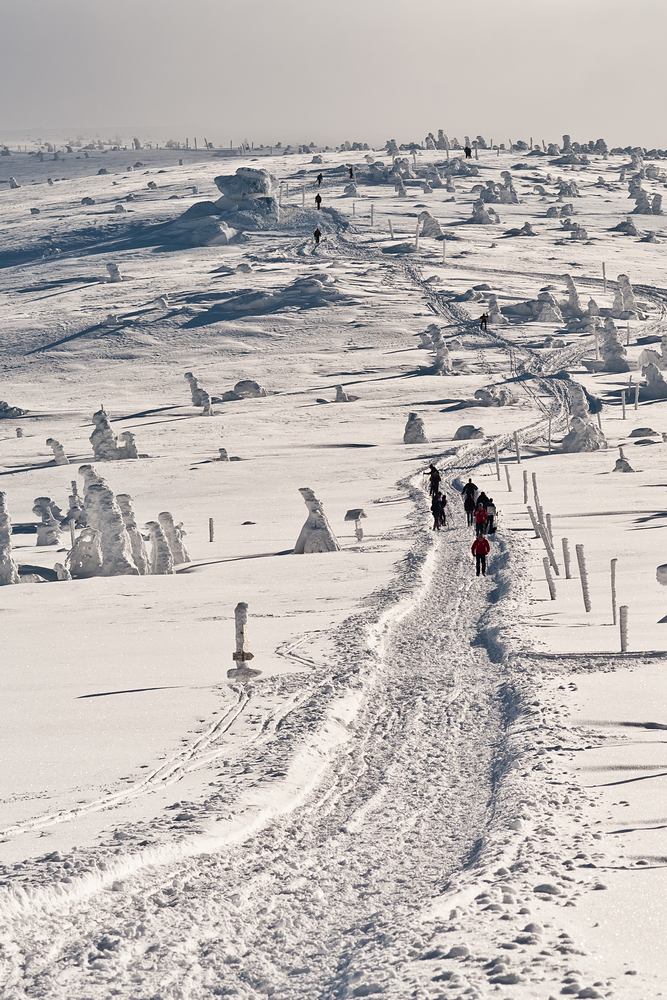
(308, 906)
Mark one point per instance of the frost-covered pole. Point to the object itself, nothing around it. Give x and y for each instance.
(354, 209)
(550, 529)
(497, 460)
(303, 196)
(627, 334)
(604, 277)
(517, 448)
(444, 251)
(565, 542)
(613, 590)
(211, 529)
(544, 535)
(241, 620)
(525, 486)
(391, 228)
(507, 477)
(417, 235)
(72, 534)
(533, 521)
(637, 395)
(623, 616)
(623, 402)
(373, 216)
(550, 580)
(597, 345)
(583, 574)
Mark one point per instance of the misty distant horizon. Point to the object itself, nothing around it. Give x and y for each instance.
(298, 71)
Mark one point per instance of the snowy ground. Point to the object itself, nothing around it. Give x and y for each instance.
(418, 795)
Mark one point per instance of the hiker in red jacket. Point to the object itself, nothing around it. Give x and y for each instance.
(480, 519)
(480, 549)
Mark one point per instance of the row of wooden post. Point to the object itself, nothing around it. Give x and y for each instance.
(542, 526)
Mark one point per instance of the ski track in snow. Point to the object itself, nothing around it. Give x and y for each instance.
(330, 899)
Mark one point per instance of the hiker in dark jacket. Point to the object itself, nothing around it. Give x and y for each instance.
(437, 510)
(433, 480)
(319, 179)
(480, 549)
(469, 490)
(469, 508)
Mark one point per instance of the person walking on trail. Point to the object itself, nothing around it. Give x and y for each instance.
(482, 498)
(480, 519)
(433, 480)
(351, 173)
(320, 178)
(490, 517)
(469, 508)
(480, 548)
(318, 200)
(483, 320)
(435, 510)
(442, 511)
(318, 235)
(468, 151)
(469, 490)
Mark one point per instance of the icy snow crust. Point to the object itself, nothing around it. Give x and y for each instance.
(437, 786)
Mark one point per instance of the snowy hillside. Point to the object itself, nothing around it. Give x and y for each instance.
(428, 784)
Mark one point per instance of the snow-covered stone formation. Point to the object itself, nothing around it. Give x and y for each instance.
(197, 393)
(106, 448)
(399, 187)
(344, 397)
(584, 435)
(495, 317)
(48, 530)
(174, 534)
(114, 274)
(139, 553)
(161, 558)
(482, 215)
(8, 412)
(656, 386)
(104, 514)
(442, 364)
(415, 432)
(493, 395)
(622, 465)
(468, 432)
(351, 190)
(572, 308)
(85, 558)
(547, 309)
(625, 304)
(316, 535)
(426, 336)
(613, 353)
(59, 456)
(429, 226)
(9, 573)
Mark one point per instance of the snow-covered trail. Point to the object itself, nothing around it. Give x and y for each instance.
(319, 898)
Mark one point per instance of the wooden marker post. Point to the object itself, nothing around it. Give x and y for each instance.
(417, 235)
(623, 616)
(391, 229)
(525, 486)
(444, 251)
(373, 215)
(612, 567)
(550, 580)
(497, 460)
(636, 395)
(583, 574)
(604, 277)
(72, 526)
(623, 402)
(507, 477)
(565, 542)
(517, 448)
(211, 529)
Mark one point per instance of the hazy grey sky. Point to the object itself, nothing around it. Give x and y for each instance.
(326, 70)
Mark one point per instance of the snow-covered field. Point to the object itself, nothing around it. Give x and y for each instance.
(437, 785)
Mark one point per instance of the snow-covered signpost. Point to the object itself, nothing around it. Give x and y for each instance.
(391, 228)
(211, 529)
(241, 655)
(517, 448)
(497, 460)
(565, 542)
(507, 477)
(525, 486)
(623, 402)
(550, 580)
(373, 216)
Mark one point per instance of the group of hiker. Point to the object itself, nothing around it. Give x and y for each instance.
(317, 233)
(481, 513)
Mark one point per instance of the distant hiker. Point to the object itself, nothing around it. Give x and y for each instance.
(437, 510)
(320, 178)
(482, 498)
(469, 508)
(317, 234)
(433, 480)
(483, 320)
(318, 200)
(468, 151)
(480, 548)
(351, 173)
(490, 517)
(442, 512)
(480, 519)
(470, 490)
